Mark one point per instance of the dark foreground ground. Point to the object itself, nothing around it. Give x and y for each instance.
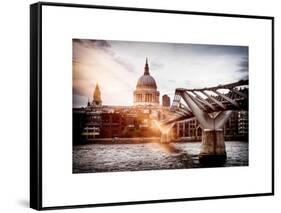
(149, 156)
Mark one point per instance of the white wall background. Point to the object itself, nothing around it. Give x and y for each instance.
(14, 106)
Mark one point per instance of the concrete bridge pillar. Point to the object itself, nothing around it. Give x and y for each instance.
(165, 138)
(213, 146)
(166, 133)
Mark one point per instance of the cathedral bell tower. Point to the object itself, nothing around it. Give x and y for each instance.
(97, 97)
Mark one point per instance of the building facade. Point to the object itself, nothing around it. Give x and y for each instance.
(166, 102)
(243, 123)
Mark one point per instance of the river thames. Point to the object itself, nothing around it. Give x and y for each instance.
(149, 156)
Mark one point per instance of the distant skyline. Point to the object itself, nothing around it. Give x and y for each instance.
(117, 65)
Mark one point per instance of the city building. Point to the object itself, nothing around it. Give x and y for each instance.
(166, 102)
(188, 130)
(243, 123)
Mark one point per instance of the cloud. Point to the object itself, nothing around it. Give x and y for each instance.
(127, 65)
(156, 65)
(98, 46)
(117, 65)
(243, 64)
(88, 43)
(243, 67)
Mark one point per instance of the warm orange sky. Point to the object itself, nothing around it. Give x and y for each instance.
(117, 65)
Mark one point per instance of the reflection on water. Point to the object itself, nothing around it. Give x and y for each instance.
(149, 156)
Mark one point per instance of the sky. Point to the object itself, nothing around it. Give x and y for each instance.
(117, 65)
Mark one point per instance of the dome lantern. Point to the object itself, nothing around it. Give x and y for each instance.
(146, 68)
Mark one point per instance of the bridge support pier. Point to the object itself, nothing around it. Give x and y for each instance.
(165, 138)
(166, 133)
(212, 147)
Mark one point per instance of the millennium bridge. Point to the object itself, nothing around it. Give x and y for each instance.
(212, 107)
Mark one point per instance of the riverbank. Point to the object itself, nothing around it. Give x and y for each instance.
(145, 140)
(121, 140)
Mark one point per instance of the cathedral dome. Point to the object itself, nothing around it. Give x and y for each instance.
(146, 90)
(146, 81)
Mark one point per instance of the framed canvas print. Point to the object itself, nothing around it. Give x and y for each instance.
(134, 105)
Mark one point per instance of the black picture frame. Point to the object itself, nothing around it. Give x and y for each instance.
(36, 103)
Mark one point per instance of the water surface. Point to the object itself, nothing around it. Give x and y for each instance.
(149, 156)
